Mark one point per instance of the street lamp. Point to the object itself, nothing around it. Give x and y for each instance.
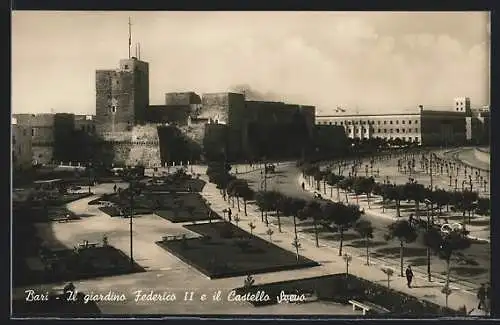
(428, 203)
(134, 190)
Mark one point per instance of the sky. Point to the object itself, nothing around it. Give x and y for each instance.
(365, 62)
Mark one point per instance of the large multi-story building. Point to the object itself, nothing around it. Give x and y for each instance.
(425, 127)
(21, 146)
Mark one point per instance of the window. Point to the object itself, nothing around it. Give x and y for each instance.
(390, 130)
(341, 123)
(32, 132)
(397, 130)
(330, 123)
(404, 138)
(364, 122)
(126, 66)
(113, 109)
(378, 130)
(385, 130)
(403, 122)
(403, 130)
(409, 122)
(397, 122)
(356, 123)
(416, 139)
(385, 122)
(416, 121)
(378, 122)
(390, 122)
(335, 123)
(373, 122)
(349, 122)
(416, 130)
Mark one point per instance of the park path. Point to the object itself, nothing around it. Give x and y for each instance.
(332, 263)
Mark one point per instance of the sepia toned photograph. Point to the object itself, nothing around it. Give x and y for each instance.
(250, 164)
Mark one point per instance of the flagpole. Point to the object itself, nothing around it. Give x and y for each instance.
(129, 36)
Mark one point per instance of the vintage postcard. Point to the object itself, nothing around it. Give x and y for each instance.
(250, 163)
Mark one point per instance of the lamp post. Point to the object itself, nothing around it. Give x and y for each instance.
(133, 191)
(428, 202)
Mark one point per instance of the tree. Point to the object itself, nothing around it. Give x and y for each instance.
(246, 194)
(291, 207)
(263, 200)
(296, 244)
(333, 180)
(404, 232)
(347, 259)
(444, 245)
(312, 210)
(342, 216)
(396, 193)
(415, 192)
(389, 272)
(346, 184)
(278, 201)
(270, 232)
(365, 229)
(252, 227)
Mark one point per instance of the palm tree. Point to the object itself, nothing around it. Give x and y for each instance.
(365, 229)
(404, 232)
(444, 245)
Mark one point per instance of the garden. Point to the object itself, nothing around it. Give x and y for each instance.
(224, 250)
(341, 288)
(77, 264)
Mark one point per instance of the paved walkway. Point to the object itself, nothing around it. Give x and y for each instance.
(332, 263)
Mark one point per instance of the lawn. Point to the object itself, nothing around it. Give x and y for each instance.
(184, 185)
(341, 288)
(66, 265)
(225, 250)
(183, 207)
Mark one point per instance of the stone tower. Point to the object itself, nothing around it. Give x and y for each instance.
(122, 96)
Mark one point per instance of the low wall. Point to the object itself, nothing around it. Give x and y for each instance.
(482, 154)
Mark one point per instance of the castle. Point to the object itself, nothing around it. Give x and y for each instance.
(187, 127)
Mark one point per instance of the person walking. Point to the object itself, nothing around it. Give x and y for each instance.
(488, 298)
(303, 186)
(409, 275)
(481, 296)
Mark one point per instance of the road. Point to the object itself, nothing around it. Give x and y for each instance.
(285, 180)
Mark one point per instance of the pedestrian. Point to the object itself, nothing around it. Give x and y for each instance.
(229, 214)
(488, 298)
(481, 296)
(409, 275)
(303, 186)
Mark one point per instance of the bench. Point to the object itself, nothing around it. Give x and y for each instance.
(89, 245)
(368, 306)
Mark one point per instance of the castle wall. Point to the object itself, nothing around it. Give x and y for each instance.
(182, 98)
